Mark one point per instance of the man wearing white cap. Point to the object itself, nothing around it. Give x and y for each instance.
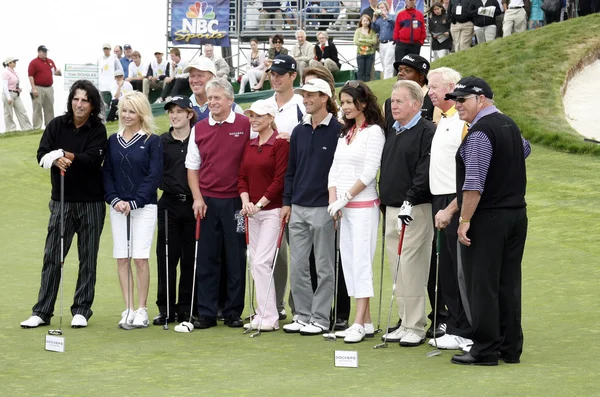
(107, 65)
(305, 200)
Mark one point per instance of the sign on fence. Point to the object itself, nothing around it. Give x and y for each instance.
(74, 72)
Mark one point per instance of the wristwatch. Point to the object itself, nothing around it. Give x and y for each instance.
(259, 205)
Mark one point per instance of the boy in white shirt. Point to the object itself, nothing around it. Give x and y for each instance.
(118, 88)
(157, 72)
(137, 71)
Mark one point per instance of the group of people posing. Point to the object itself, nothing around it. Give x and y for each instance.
(305, 161)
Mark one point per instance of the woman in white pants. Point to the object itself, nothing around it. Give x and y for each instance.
(11, 93)
(260, 184)
(353, 197)
(256, 67)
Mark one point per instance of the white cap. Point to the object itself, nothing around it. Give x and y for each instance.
(315, 85)
(202, 63)
(262, 107)
(10, 59)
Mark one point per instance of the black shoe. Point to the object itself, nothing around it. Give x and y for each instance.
(440, 331)
(205, 322)
(468, 359)
(185, 316)
(160, 319)
(220, 316)
(233, 322)
(340, 324)
(508, 360)
(395, 327)
(282, 315)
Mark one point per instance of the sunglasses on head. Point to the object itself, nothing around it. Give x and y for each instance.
(352, 83)
(464, 98)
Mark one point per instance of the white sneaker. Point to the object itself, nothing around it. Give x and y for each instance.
(450, 342)
(411, 339)
(465, 347)
(140, 319)
(294, 327)
(127, 319)
(253, 324)
(394, 336)
(159, 100)
(33, 322)
(369, 330)
(78, 321)
(355, 334)
(312, 329)
(168, 99)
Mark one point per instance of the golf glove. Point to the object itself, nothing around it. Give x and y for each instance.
(339, 204)
(404, 214)
(49, 158)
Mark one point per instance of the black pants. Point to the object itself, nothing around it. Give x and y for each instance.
(137, 85)
(456, 319)
(403, 49)
(492, 267)
(112, 113)
(175, 87)
(87, 220)
(218, 229)
(182, 230)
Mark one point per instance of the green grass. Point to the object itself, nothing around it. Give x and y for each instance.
(560, 302)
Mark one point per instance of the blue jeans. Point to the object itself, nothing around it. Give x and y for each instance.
(365, 64)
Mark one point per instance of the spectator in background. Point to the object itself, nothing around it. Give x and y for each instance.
(256, 67)
(370, 9)
(409, 32)
(484, 18)
(326, 54)
(137, 71)
(275, 50)
(126, 60)
(40, 72)
(11, 96)
(537, 15)
(118, 51)
(271, 10)
(220, 64)
(383, 24)
(107, 65)
(302, 51)
(119, 87)
(439, 27)
(177, 78)
(461, 27)
(365, 40)
(157, 73)
(252, 14)
(515, 16)
(349, 13)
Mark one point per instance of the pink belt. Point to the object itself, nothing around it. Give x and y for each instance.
(363, 204)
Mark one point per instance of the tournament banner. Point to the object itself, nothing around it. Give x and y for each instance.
(200, 22)
(396, 5)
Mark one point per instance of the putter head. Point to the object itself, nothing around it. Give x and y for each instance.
(166, 327)
(55, 332)
(433, 353)
(256, 334)
(330, 337)
(381, 345)
(378, 330)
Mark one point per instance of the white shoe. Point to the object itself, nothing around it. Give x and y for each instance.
(369, 330)
(341, 334)
(78, 321)
(159, 100)
(465, 347)
(33, 322)
(312, 329)
(127, 319)
(140, 319)
(355, 334)
(395, 336)
(411, 339)
(168, 99)
(253, 324)
(294, 327)
(450, 342)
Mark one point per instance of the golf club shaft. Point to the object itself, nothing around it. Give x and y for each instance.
(337, 275)
(62, 242)
(195, 267)
(129, 275)
(249, 270)
(381, 275)
(167, 263)
(437, 274)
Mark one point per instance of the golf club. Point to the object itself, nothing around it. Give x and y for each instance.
(188, 326)
(62, 251)
(437, 351)
(378, 329)
(264, 309)
(126, 325)
(249, 273)
(331, 335)
(166, 326)
(384, 344)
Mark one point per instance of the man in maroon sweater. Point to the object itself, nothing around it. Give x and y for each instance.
(213, 162)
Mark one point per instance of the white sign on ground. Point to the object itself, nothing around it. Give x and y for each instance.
(74, 72)
(346, 358)
(55, 343)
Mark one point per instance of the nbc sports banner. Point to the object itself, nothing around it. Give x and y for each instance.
(200, 22)
(396, 5)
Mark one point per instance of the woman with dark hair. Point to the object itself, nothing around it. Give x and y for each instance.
(354, 199)
(255, 69)
(277, 48)
(365, 40)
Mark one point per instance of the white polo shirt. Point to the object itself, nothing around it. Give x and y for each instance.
(442, 163)
(287, 116)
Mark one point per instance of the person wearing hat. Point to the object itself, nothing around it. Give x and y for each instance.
(40, 72)
(175, 205)
(107, 65)
(177, 77)
(126, 59)
(409, 32)
(11, 97)
(157, 73)
(404, 191)
(260, 184)
(305, 201)
(118, 88)
(490, 184)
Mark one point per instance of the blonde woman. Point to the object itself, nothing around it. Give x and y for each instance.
(133, 170)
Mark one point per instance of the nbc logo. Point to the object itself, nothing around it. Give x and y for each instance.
(200, 22)
(200, 10)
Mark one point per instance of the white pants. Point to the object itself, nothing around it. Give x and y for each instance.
(440, 53)
(253, 77)
(515, 21)
(358, 242)
(485, 33)
(143, 222)
(19, 110)
(387, 54)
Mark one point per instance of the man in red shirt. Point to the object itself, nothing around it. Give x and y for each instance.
(409, 32)
(40, 73)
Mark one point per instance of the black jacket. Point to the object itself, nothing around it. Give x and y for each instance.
(465, 16)
(480, 20)
(330, 52)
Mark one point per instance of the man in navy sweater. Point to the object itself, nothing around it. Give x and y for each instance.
(305, 201)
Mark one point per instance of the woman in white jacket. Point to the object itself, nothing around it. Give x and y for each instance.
(353, 197)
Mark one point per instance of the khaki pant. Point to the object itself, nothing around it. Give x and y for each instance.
(44, 102)
(329, 65)
(153, 85)
(19, 110)
(515, 21)
(411, 282)
(462, 34)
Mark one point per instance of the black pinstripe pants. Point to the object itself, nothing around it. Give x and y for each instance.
(87, 220)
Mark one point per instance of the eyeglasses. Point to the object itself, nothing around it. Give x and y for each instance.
(278, 42)
(464, 99)
(352, 83)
